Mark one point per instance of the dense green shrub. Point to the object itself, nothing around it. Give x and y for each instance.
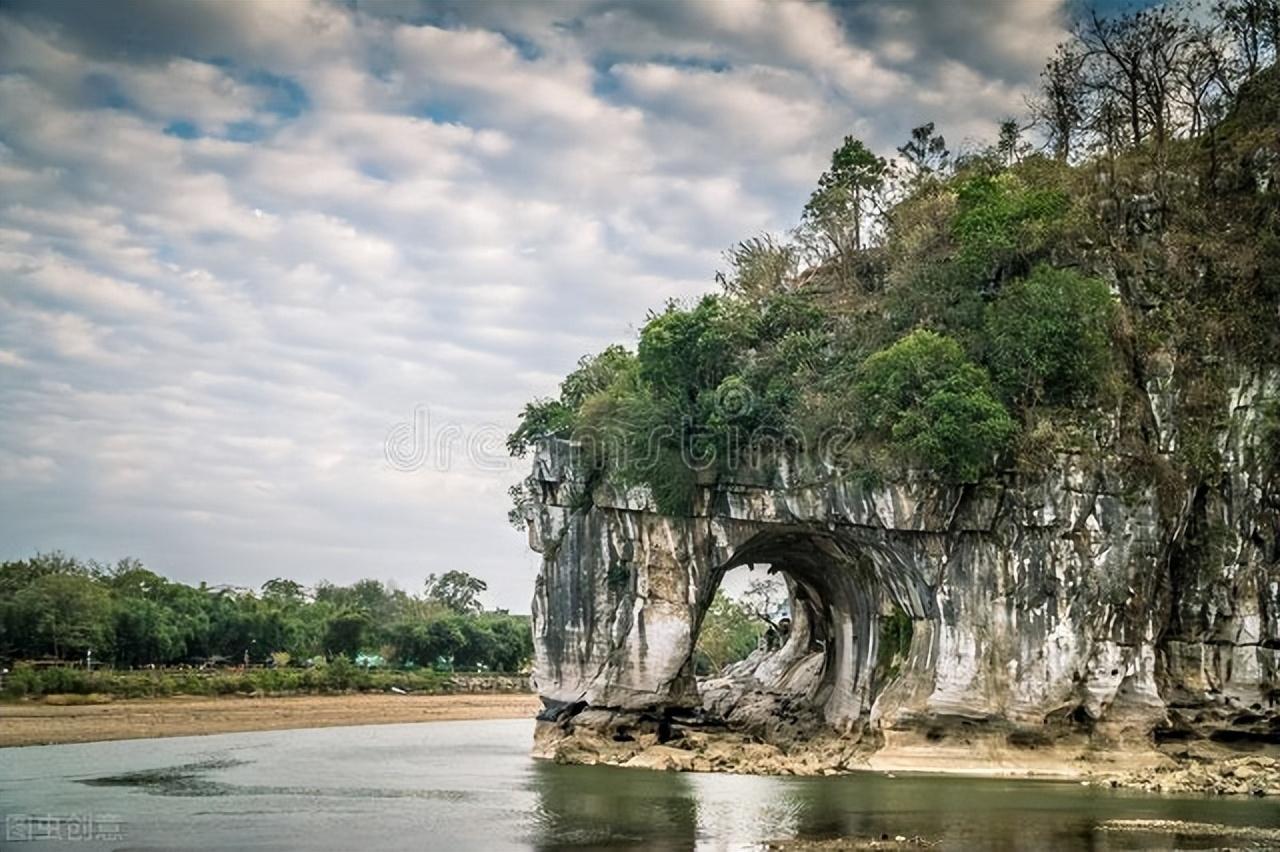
(1001, 221)
(705, 380)
(540, 418)
(934, 406)
(712, 381)
(982, 254)
(339, 676)
(595, 373)
(544, 417)
(893, 646)
(1048, 337)
(685, 354)
(942, 297)
(22, 681)
(64, 680)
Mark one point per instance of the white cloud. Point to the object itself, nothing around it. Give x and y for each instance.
(240, 241)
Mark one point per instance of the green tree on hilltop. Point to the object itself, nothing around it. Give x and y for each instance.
(850, 199)
(1048, 337)
(926, 154)
(933, 405)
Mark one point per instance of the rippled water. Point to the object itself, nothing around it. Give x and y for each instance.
(471, 785)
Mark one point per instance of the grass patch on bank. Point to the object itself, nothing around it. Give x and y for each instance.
(61, 686)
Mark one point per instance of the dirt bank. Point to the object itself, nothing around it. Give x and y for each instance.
(33, 723)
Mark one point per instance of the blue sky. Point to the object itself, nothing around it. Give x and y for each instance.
(241, 242)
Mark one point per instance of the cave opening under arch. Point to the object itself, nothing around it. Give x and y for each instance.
(855, 624)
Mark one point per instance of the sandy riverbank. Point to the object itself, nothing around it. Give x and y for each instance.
(34, 723)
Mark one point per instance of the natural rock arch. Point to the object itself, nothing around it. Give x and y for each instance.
(1071, 601)
(839, 594)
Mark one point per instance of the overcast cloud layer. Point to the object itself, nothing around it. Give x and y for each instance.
(240, 242)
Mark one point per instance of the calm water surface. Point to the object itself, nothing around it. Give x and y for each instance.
(472, 785)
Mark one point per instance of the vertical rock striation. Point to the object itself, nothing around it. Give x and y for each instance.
(1087, 598)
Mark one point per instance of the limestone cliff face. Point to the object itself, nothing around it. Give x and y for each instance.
(1084, 597)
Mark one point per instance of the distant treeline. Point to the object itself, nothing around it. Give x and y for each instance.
(57, 607)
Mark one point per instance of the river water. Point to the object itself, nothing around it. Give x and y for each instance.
(472, 785)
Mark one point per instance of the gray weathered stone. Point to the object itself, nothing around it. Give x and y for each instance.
(1073, 597)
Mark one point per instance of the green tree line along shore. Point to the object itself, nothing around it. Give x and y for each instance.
(971, 312)
(107, 622)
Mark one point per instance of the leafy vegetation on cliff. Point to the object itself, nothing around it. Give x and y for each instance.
(960, 313)
(932, 404)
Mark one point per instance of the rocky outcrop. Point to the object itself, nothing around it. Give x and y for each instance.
(1116, 588)
(1091, 603)
(1206, 773)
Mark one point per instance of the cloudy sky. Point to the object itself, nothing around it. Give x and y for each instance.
(240, 242)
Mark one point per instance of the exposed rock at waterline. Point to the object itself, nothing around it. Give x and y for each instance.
(1239, 776)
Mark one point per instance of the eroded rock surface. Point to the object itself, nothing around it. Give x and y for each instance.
(1086, 607)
